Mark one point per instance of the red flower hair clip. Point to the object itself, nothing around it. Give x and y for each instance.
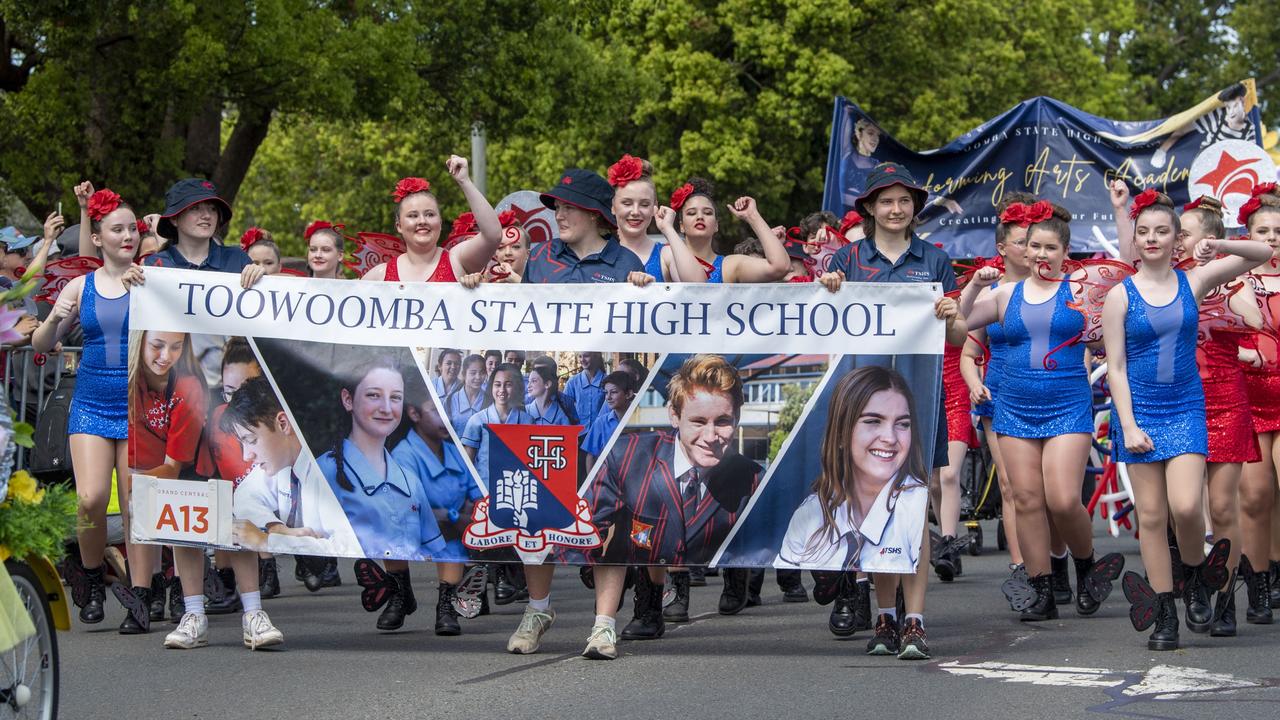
(463, 226)
(625, 170)
(508, 218)
(1144, 200)
(102, 203)
(1192, 205)
(1262, 189)
(1015, 214)
(681, 194)
(408, 186)
(1249, 208)
(851, 219)
(143, 228)
(316, 227)
(1039, 211)
(250, 236)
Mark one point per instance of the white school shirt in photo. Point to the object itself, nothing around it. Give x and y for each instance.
(264, 499)
(890, 539)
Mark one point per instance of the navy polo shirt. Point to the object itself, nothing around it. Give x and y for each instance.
(555, 262)
(221, 259)
(862, 262)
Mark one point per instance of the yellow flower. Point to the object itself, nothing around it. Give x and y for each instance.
(22, 487)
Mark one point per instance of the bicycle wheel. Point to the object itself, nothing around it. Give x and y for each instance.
(33, 664)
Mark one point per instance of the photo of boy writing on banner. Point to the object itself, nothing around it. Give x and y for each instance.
(670, 497)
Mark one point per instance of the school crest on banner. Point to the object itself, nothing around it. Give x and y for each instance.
(534, 501)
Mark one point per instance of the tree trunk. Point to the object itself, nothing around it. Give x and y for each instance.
(204, 139)
(250, 130)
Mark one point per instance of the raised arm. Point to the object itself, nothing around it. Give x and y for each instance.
(1124, 226)
(1241, 257)
(679, 262)
(745, 269)
(473, 254)
(83, 192)
(980, 309)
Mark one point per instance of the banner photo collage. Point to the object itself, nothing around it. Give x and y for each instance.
(737, 426)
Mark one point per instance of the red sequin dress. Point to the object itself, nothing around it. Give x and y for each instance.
(443, 272)
(956, 398)
(1264, 383)
(1227, 413)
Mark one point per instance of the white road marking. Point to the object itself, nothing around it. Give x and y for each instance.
(1167, 682)
(1162, 682)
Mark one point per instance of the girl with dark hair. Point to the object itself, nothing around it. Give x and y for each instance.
(546, 405)
(468, 398)
(502, 406)
(418, 223)
(1261, 217)
(1044, 417)
(325, 245)
(386, 505)
(99, 417)
(1150, 324)
(697, 218)
(869, 493)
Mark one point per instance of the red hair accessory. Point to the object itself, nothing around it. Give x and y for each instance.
(1262, 189)
(508, 218)
(1144, 200)
(463, 226)
(850, 220)
(102, 203)
(681, 194)
(1018, 214)
(143, 228)
(408, 186)
(1249, 208)
(316, 227)
(1038, 211)
(625, 170)
(1192, 205)
(250, 236)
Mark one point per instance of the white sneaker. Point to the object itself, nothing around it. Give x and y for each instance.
(258, 630)
(192, 632)
(602, 644)
(533, 625)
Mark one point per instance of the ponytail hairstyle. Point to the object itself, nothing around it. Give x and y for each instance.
(1150, 200)
(695, 187)
(237, 351)
(350, 380)
(1209, 210)
(1056, 219)
(546, 368)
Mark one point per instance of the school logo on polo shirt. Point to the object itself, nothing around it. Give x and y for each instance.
(918, 275)
(534, 500)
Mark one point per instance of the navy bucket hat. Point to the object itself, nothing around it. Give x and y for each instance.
(584, 190)
(888, 174)
(183, 195)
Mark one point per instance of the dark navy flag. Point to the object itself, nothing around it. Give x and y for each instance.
(1061, 154)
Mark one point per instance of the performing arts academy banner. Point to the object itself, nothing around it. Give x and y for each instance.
(1063, 154)
(729, 425)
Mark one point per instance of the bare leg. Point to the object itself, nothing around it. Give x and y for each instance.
(396, 565)
(1064, 461)
(610, 581)
(914, 586)
(1008, 511)
(538, 579)
(143, 558)
(1224, 507)
(1257, 497)
(245, 565)
(189, 562)
(1185, 484)
(1150, 499)
(1027, 477)
(93, 458)
(947, 502)
(449, 572)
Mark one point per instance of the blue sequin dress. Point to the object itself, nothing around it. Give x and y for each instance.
(1164, 381)
(653, 265)
(996, 346)
(100, 404)
(1044, 391)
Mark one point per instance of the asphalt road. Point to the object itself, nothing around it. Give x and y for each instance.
(774, 661)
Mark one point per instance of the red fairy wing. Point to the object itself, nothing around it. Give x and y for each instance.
(1215, 564)
(60, 272)
(1142, 600)
(1091, 281)
(373, 249)
(376, 584)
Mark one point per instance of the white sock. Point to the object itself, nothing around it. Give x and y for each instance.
(252, 601)
(540, 604)
(892, 612)
(916, 616)
(611, 623)
(1057, 557)
(193, 604)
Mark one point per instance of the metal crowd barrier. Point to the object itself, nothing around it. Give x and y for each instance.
(29, 378)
